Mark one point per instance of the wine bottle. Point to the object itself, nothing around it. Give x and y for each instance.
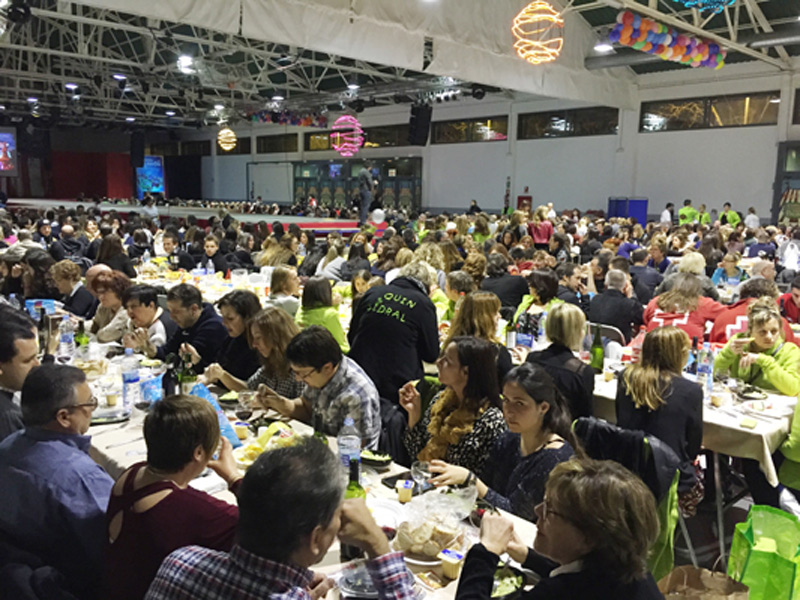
(186, 376)
(597, 353)
(353, 490)
(691, 365)
(81, 339)
(169, 381)
(316, 420)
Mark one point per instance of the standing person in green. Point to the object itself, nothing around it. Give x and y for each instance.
(688, 214)
(703, 217)
(728, 216)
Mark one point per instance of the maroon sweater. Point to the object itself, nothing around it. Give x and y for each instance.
(185, 517)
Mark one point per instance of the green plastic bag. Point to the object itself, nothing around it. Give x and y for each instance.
(765, 554)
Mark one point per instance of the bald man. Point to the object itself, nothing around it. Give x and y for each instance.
(93, 272)
(68, 246)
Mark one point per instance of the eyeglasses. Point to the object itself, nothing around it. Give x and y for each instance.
(547, 511)
(93, 403)
(303, 376)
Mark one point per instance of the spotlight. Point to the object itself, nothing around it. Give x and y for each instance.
(130, 119)
(186, 64)
(32, 100)
(603, 47)
(219, 107)
(76, 97)
(278, 96)
(478, 92)
(119, 76)
(358, 106)
(170, 113)
(2, 106)
(353, 83)
(71, 86)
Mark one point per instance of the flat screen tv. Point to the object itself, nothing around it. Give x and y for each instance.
(8, 152)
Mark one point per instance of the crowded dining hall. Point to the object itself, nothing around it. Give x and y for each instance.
(301, 299)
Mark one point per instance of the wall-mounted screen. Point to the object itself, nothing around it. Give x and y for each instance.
(335, 171)
(150, 177)
(8, 152)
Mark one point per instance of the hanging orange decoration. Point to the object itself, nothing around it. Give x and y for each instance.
(537, 30)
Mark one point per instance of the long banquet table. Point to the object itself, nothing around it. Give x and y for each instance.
(116, 447)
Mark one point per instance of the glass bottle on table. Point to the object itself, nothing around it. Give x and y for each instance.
(354, 490)
(597, 352)
(316, 421)
(187, 377)
(81, 338)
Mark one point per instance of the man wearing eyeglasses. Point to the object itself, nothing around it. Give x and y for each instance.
(54, 496)
(336, 388)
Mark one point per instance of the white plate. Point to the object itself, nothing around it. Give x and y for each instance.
(768, 408)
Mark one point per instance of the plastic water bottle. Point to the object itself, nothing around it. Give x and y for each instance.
(131, 393)
(348, 441)
(540, 335)
(210, 267)
(146, 256)
(13, 301)
(705, 368)
(66, 339)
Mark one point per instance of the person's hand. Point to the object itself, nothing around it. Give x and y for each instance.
(411, 401)
(16, 270)
(582, 288)
(225, 465)
(359, 529)
(739, 344)
(747, 360)
(496, 532)
(447, 474)
(519, 354)
(628, 289)
(270, 399)
(336, 299)
(213, 372)
(320, 585)
(189, 349)
(517, 549)
(129, 341)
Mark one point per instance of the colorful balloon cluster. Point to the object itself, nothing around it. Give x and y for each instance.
(287, 117)
(654, 38)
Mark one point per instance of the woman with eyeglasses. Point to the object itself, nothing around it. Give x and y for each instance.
(539, 437)
(463, 421)
(597, 522)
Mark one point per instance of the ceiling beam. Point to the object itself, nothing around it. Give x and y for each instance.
(756, 12)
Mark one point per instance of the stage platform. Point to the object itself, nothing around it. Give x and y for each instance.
(319, 226)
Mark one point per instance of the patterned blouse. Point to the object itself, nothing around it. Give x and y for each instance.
(472, 450)
(288, 386)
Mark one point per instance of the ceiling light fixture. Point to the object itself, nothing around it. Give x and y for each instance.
(119, 76)
(774, 100)
(603, 47)
(278, 97)
(353, 83)
(226, 138)
(2, 106)
(130, 119)
(170, 113)
(32, 99)
(186, 64)
(71, 86)
(219, 107)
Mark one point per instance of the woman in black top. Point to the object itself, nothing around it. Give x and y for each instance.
(356, 261)
(37, 282)
(565, 328)
(508, 288)
(539, 437)
(77, 299)
(653, 397)
(597, 523)
(111, 253)
(235, 356)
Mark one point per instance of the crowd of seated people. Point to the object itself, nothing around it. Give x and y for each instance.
(441, 290)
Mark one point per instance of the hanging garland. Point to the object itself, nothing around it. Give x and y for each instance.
(648, 36)
(716, 6)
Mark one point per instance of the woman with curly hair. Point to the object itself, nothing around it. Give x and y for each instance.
(463, 421)
(475, 265)
(37, 280)
(110, 321)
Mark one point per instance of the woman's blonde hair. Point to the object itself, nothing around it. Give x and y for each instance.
(432, 254)
(404, 256)
(664, 352)
(276, 325)
(475, 265)
(732, 257)
(566, 325)
(280, 279)
(761, 312)
(66, 270)
(694, 263)
(684, 295)
(612, 508)
(476, 315)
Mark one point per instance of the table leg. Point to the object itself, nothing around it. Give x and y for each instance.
(720, 502)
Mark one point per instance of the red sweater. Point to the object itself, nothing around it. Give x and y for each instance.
(693, 323)
(185, 517)
(542, 232)
(733, 320)
(790, 310)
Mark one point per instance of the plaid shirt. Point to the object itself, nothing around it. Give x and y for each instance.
(195, 573)
(350, 392)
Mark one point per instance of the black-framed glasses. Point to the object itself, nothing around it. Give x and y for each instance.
(304, 376)
(93, 403)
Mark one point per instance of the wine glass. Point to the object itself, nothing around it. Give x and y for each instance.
(421, 473)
